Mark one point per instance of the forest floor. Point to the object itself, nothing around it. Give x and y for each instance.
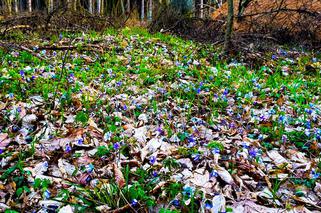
(126, 121)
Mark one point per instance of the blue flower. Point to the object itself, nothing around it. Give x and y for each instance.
(208, 204)
(119, 83)
(176, 203)
(47, 194)
(188, 191)
(11, 95)
(284, 138)
(155, 174)
(198, 91)
(261, 137)
(22, 73)
(68, 148)
(1, 151)
(213, 173)
(308, 124)
(152, 160)
(125, 107)
(252, 152)
(196, 157)
(274, 57)
(80, 141)
(134, 202)
(216, 151)
(116, 146)
(309, 111)
(226, 91)
(90, 168)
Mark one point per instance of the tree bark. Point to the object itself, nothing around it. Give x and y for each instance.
(142, 15)
(8, 7)
(128, 6)
(16, 10)
(90, 6)
(98, 6)
(150, 11)
(29, 6)
(229, 26)
(202, 9)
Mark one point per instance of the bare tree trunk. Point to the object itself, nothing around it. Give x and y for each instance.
(90, 6)
(229, 26)
(98, 6)
(29, 6)
(8, 7)
(202, 9)
(122, 7)
(150, 11)
(16, 10)
(142, 15)
(50, 6)
(128, 6)
(102, 7)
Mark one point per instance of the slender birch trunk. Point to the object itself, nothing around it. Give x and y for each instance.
(128, 6)
(150, 11)
(29, 6)
(90, 6)
(98, 6)
(122, 7)
(142, 15)
(16, 10)
(202, 9)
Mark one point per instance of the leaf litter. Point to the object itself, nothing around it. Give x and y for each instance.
(156, 122)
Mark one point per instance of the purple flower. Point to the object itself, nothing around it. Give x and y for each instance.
(80, 141)
(155, 174)
(125, 107)
(119, 83)
(68, 148)
(22, 73)
(152, 160)
(116, 145)
(284, 138)
(225, 92)
(1, 151)
(274, 57)
(252, 152)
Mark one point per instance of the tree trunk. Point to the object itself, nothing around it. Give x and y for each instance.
(150, 11)
(90, 6)
(122, 7)
(50, 6)
(128, 6)
(29, 6)
(229, 26)
(16, 10)
(98, 6)
(142, 14)
(202, 9)
(8, 7)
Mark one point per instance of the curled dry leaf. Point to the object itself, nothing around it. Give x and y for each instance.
(120, 180)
